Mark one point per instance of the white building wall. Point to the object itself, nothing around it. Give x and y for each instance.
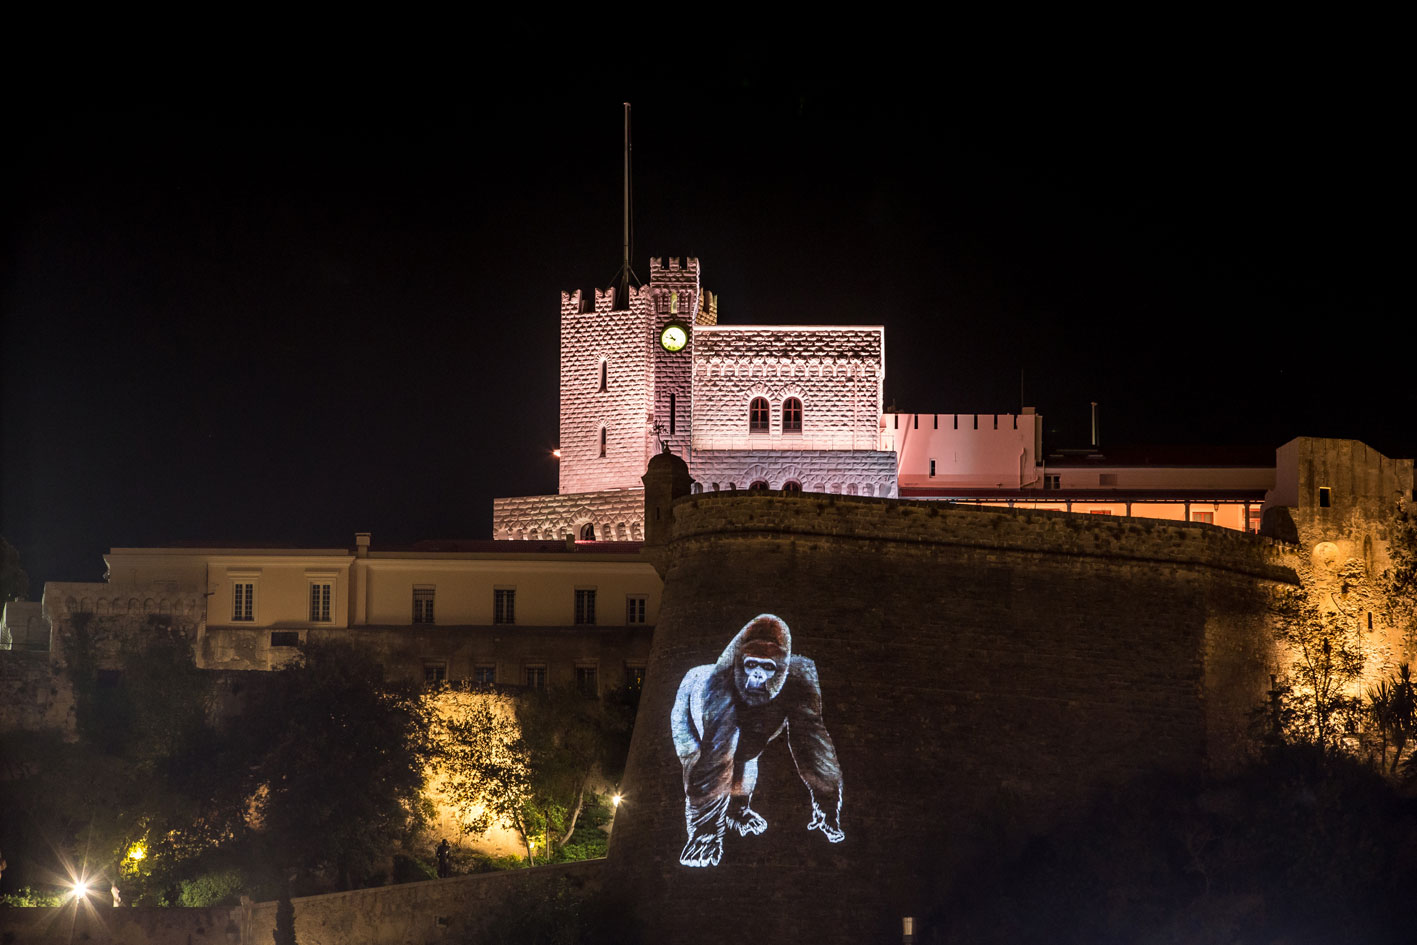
(981, 451)
(844, 472)
(620, 340)
(1163, 477)
(837, 372)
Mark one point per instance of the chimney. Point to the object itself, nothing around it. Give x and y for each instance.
(361, 544)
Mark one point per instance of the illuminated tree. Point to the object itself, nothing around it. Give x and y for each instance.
(485, 766)
(1317, 693)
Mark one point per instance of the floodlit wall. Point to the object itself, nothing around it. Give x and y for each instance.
(544, 587)
(615, 514)
(835, 371)
(1162, 477)
(981, 673)
(967, 450)
(1336, 499)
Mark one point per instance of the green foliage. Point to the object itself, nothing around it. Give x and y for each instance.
(1316, 697)
(1392, 712)
(528, 766)
(211, 889)
(339, 773)
(284, 933)
(480, 751)
(1400, 579)
(408, 869)
(28, 897)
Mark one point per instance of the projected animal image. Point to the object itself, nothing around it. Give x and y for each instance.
(726, 713)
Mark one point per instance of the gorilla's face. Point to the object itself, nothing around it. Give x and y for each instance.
(758, 673)
(757, 677)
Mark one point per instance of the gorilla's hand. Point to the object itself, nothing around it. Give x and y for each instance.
(831, 828)
(744, 819)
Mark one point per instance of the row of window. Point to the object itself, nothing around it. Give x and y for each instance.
(760, 413)
(504, 604)
(793, 487)
(435, 673)
(243, 602)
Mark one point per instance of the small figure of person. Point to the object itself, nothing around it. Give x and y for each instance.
(117, 896)
(445, 863)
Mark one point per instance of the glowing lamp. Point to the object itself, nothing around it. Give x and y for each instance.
(79, 888)
(615, 801)
(556, 453)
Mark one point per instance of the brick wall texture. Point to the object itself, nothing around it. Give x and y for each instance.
(843, 472)
(984, 673)
(617, 514)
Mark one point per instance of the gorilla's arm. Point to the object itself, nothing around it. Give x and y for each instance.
(709, 777)
(812, 748)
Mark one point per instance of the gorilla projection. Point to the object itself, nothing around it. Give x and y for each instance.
(724, 716)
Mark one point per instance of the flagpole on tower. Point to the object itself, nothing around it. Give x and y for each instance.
(627, 272)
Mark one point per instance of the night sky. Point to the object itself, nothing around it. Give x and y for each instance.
(290, 317)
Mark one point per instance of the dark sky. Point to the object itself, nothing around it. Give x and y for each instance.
(289, 316)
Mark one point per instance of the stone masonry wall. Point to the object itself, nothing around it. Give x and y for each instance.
(984, 673)
(674, 295)
(837, 373)
(619, 339)
(444, 910)
(1342, 548)
(617, 514)
(843, 472)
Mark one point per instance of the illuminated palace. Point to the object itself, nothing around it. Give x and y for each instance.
(798, 408)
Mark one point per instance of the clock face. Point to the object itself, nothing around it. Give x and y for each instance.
(673, 337)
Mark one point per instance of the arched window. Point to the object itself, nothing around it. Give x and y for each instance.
(792, 487)
(602, 441)
(792, 415)
(588, 532)
(758, 485)
(697, 488)
(758, 415)
(602, 375)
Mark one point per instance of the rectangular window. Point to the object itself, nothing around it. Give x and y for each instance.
(320, 595)
(243, 602)
(634, 676)
(1106, 479)
(1325, 497)
(285, 638)
(635, 609)
(1053, 482)
(536, 676)
(504, 605)
(1255, 518)
(672, 400)
(1207, 517)
(422, 603)
(585, 605)
(485, 674)
(435, 672)
(587, 681)
(932, 469)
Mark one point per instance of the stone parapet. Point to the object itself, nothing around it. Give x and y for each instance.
(844, 472)
(615, 514)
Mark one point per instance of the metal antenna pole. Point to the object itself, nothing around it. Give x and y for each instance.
(626, 275)
(625, 262)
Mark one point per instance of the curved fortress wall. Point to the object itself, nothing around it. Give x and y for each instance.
(981, 674)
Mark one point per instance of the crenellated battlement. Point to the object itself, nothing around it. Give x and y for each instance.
(689, 269)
